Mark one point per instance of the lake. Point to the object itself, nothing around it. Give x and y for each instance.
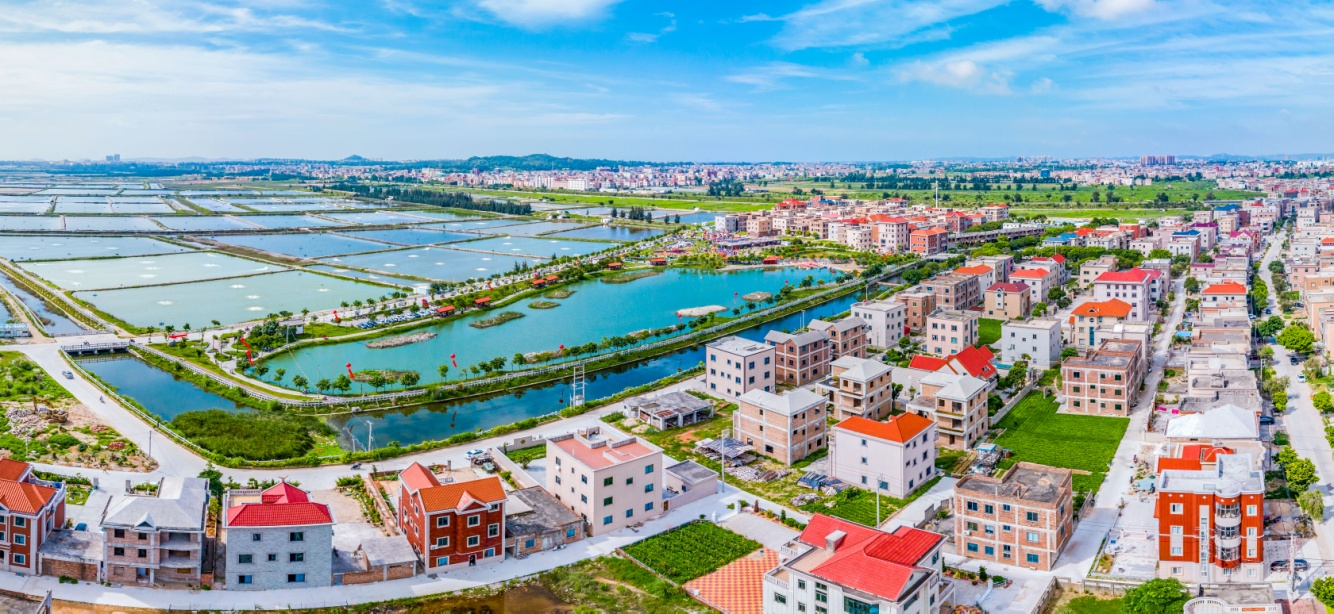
(158, 391)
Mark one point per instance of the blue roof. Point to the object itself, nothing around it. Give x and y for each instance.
(1186, 233)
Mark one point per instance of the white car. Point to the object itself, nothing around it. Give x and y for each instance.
(471, 454)
(1301, 377)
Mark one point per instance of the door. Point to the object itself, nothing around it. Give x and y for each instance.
(472, 560)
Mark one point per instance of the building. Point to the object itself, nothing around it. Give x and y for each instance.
(1092, 269)
(799, 358)
(1007, 301)
(984, 274)
(847, 337)
(687, 482)
(977, 361)
(156, 538)
(786, 427)
(885, 321)
(929, 242)
(535, 521)
(1089, 315)
(610, 484)
(957, 404)
(669, 410)
(1039, 282)
(737, 365)
(1223, 295)
(895, 457)
(1023, 518)
(1211, 523)
(842, 566)
(859, 387)
(1039, 339)
(35, 509)
(276, 538)
(949, 332)
(454, 524)
(1104, 381)
(918, 305)
(954, 291)
(1131, 286)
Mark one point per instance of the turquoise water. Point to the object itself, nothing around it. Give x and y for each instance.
(411, 236)
(313, 245)
(542, 247)
(54, 247)
(595, 310)
(110, 223)
(373, 217)
(435, 263)
(388, 279)
(610, 233)
(481, 225)
(229, 301)
(159, 392)
(288, 221)
(201, 222)
(54, 323)
(145, 270)
(542, 228)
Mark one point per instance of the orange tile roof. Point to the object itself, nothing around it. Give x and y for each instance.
(461, 495)
(869, 560)
(974, 270)
(930, 231)
(1030, 274)
(900, 428)
(1227, 287)
(23, 497)
(1115, 308)
(12, 470)
(927, 363)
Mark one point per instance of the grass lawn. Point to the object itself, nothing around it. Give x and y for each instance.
(692, 550)
(988, 331)
(859, 505)
(1088, 604)
(527, 455)
(1037, 434)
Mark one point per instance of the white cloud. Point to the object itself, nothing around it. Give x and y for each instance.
(541, 13)
(1100, 9)
(1042, 86)
(851, 23)
(859, 59)
(150, 17)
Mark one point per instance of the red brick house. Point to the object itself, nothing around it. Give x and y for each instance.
(452, 525)
(1213, 514)
(30, 509)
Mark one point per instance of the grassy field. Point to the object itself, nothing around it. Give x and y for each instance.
(988, 331)
(1089, 604)
(692, 550)
(1037, 434)
(1177, 192)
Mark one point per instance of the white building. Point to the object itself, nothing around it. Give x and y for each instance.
(895, 457)
(736, 365)
(886, 319)
(1040, 339)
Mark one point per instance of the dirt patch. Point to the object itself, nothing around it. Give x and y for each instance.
(344, 508)
(688, 437)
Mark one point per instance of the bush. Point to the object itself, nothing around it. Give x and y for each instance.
(250, 435)
(64, 441)
(1158, 596)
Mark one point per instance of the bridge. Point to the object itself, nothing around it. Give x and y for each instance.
(88, 349)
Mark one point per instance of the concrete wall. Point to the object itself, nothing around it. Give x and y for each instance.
(315, 549)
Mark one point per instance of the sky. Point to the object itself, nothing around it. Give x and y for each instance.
(778, 80)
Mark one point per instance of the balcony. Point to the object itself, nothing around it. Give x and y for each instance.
(1227, 511)
(1229, 554)
(781, 584)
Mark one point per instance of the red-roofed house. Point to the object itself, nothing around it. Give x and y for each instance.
(1039, 281)
(985, 275)
(611, 484)
(1130, 286)
(1007, 301)
(1193, 457)
(1055, 264)
(929, 242)
(972, 360)
(890, 234)
(34, 509)
(846, 567)
(1089, 315)
(1226, 294)
(454, 524)
(276, 538)
(895, 457)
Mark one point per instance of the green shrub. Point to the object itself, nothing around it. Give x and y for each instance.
(250, 435)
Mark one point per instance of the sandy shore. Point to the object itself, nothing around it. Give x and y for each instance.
(695, 312)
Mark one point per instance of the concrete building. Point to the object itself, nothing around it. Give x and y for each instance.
(736, 365)
(786, 427)
(949, 332)
(799, 358)
(954, 291)
(669, 410)
(1039, 282)
(929, 242)
(611, 484)
(1040, 339)
(1089, 315)
(1105, 381)
(687, 482)
(1211, 523)
(1007, 301)
(452, 524)
(535, 522)
(885, 321)
(1092, 269)
(895, 457)
(859, 387)
(957, 404)
(276, 538)
(1130, 286)
(847, 337)
(1023, 518)
(156, 539)
(918, 305)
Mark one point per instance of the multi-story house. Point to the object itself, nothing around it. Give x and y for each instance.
(30, 510)
(957, 404)
(1223, 295)
(611, 484)
(157, 538)
(949, 332)
(759, 226)
(1007, 301)
(953, 291)
(736, 365)
(841, 566)
(1003, 265)
(918, 305)
(1104, 381)
(1023, 518)
(895, 457)
(452, 525)
(885, 321)
(1090, 270)
(1130, 286)
(929, 242)
(1055, 265)
(1039, 281)
(1090, 315)
(799, 358)
(985, 275)
(1211, 522)
(976, 361)
(859, 387)
(786, 427)
(892, 235)
(1039, 340)
(276, 538)
(847, 337)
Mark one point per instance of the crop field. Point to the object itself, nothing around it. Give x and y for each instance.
(988, 331)
(1037, 434)
(690, 551)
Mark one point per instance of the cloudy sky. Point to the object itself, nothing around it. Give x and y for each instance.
(632, 79)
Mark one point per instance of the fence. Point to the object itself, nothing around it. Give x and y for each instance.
(1014, 400)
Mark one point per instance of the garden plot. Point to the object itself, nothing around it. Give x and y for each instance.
(436, 263)
(110, 223)
(411, 236)
(202, 222)
(229, 301)
(610, 233)
(288, 221)
(145, 270)
(313, 245)
(692, 550)
(53, 247)
(1037, 434)
(30, 222)
(531, 246)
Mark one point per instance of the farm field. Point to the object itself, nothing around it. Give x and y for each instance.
(1037, 434)
(988, 331)
(690, 551)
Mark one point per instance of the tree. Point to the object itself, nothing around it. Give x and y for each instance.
(261, 370)
(1313, 503)
(443, 370)
(1300, 474)
(1039, 310)
(1322, 401)
(1280, 400)
(1160, 253)
(1269, 328)
(343, 383)
(1157, 596)
(905, 342)
(1286, 456)
(1276, 266)
(1192, 285)
(1069, 352)
(278, 375)
(377, 380)
(410, 379)
(1323, 589)
(1296, 338)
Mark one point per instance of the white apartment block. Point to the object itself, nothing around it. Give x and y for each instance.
(886, 319)
(736, 365)
(895, 457)
(1040, 339)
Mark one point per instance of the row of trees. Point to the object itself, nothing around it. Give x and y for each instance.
(438, 198)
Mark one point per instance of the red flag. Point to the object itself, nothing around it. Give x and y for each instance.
(247, 352)
(453, 362)
(562, 350)
(349, 370)
(425, 304)
(336, 320)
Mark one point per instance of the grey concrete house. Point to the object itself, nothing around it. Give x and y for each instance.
(275, 538)
(158, 538)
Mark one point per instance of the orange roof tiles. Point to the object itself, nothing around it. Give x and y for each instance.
(927, 363)
(900, 428)
(1135, 275)
(1029, 274)
(1115, 308)
(974, 270)
(23, 497)
(12, 470)
(1227, 287)
(461, 495)
(737, 587)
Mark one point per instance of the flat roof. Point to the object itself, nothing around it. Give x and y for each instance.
(739, 345)
(1024, 481)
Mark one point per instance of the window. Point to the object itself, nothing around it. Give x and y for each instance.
(569, 533)
(442, 542)
(648, 488)
(971, 505)
(296, 557)
(254, 537)
(629, 481)
(245, 579)
(118, 533)
(1250, 510)
(118, 551)
(972, 547)
(989, 551)
(648, 507)
(780, 598)
(1032, 537)
(442, 521)
(606, 520)
(20, 539)
(989, 509)
(493, 530)
(608, 481)
(583, 498)
(295, 578)
(630, 513)
(441, 561)
(648, 469)
(863, 460)
(474, 541)
(606, 501)
(296, 536)
(1032, 558)
(20, 559)
(1177, 508)
(244, 559)
(1005, 507)
(1031, 516)
(475, 520)
(583, 478)
(273, 557)
(528, 543)
(1176, 550)
(558, 479)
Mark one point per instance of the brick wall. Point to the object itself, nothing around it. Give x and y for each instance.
(83, 571)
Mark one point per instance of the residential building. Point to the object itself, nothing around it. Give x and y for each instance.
(1039, 340)
(799, 358)
(610, 484)
(1104, 381)
(535, 522)
(929, 242)
(892, 235)
(895, 457)
(1003, 265)
(954, 291)
(786, 427)
(1039, 281)
(1023, 518)
(33, 509)
(1054, 265)
(1092, 269)
(842, 566)
(847, 337)
(977, 361)
(957, 404)
(669, 410)
(1223, 295)
(687, 482)
(985, 275)
(918, 305)
(1211, 523)
(859, 387)
(276, 538)
(736, 365)
(885, 321)
(452, 524)
(1089, 315)
(1007, 301)
(156, 538)
(949, 332)
(1130, 286)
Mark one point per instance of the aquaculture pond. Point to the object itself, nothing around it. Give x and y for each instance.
(213, 204)
(158, 391)
(439, 263)
(145, 270)
(387, 279)
(541, 228)
(487, 226)
(201, 222)
(60, 248)
(109, 223)
(305, 245)
(595, 310)
(610, 233)
(411, 236)
(24, 205)
(52, 322)
(288, 221)
(541, 247)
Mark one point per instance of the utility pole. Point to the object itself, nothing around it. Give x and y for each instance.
(722, 461)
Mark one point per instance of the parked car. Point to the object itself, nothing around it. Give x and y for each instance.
(1301, 377)
(1266, 419)
(1293, 360)
(471, 454)
(1282, 565)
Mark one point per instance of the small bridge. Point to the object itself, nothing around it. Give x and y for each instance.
(88, 349)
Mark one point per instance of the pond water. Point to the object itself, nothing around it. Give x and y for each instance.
(542, 247)
(238, 299)
(481, 225)
(145, 270)
(55, 247)
(439, 215)
(64, 207)
(540, 228)
(201, 222)
(288, 221)
(439, 263)
(610, 233)
(160, 392)
(411, 236)
(25, 205)
(595, 310)
(154, 206)
(213, 204)
(373, 217)
(110, 223)
(54, 323)
(388, 279)
(30, 222)
(309, 245)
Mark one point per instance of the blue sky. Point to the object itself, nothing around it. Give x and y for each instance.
(705, 81)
